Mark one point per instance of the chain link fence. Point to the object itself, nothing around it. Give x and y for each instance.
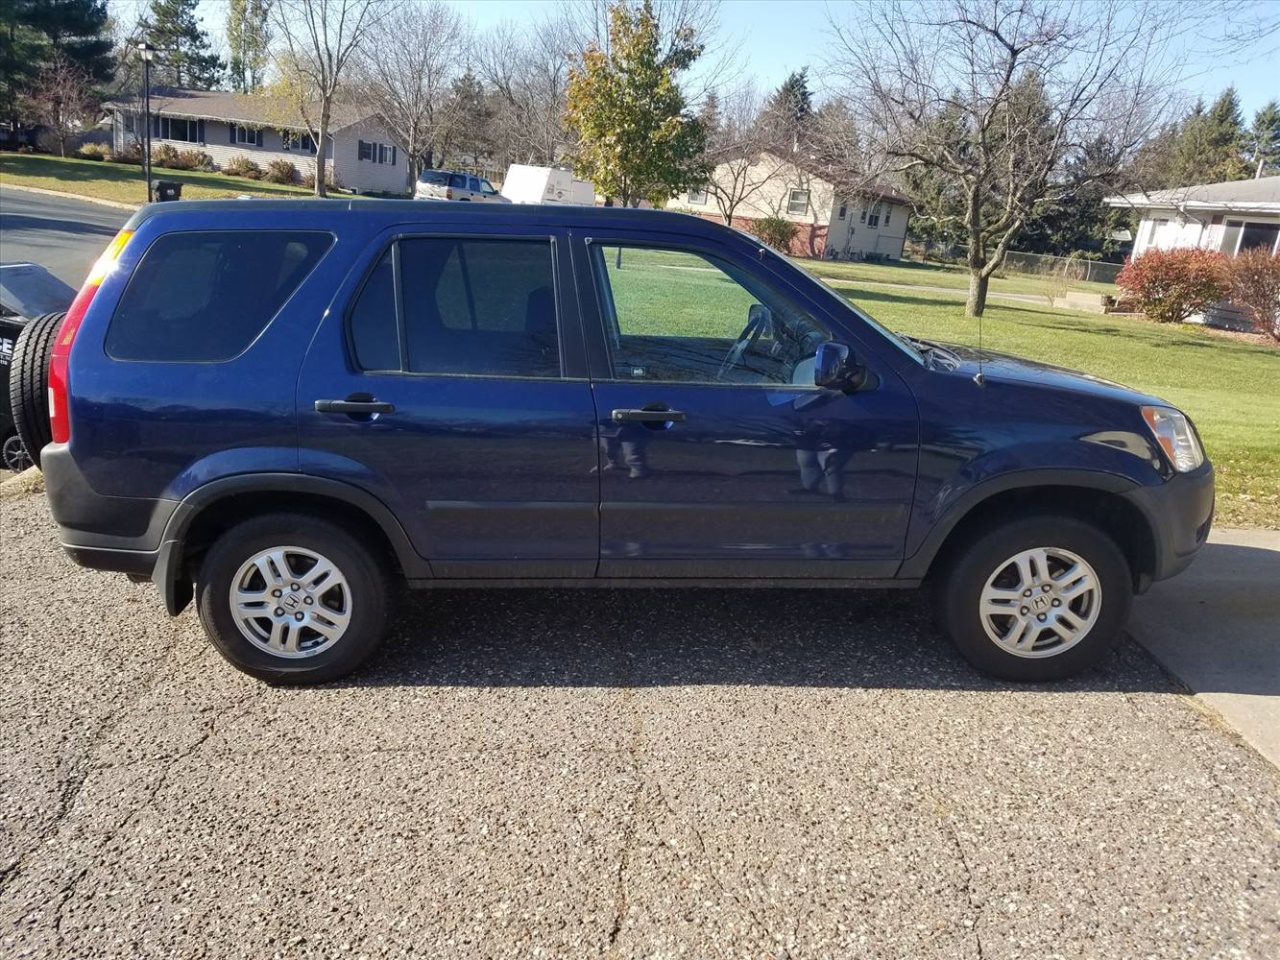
(1069, 268)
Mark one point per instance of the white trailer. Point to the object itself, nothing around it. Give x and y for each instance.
(528, 184)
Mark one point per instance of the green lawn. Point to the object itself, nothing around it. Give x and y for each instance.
(913, 273)
(1229, 387)
(123, 182)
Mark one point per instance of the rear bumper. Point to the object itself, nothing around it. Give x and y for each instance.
(1180, 514)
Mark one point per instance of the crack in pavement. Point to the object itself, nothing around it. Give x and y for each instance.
(949, 820)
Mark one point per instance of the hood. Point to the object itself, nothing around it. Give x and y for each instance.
(1009, 369)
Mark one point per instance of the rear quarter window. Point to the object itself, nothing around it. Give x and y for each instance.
(437, 178)
(204, 296)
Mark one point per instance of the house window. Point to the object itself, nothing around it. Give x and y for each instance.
(371, 151)
(798, 202)
(300, 142)
(697, 196)
(175, 128)
(886, 215)
(873, 218)
(863, 217)
(246, 135)
(132, 124)
(844, 209)
(1259, 236)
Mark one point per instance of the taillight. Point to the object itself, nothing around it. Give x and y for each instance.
(59, 406)
(448, 193)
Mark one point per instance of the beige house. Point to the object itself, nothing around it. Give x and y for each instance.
(834, 227)
(360, 155)
(1228, 217)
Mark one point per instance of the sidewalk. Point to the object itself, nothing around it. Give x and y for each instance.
(1217, 628)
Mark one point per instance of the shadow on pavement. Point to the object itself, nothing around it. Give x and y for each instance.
(650, 638)
(1217, 626)
(18, 221)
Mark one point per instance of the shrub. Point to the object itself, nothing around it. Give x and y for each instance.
(1171, 285)
(281, 171)
(1255, 289)
(242, 166)
(776, 231)
(192, 160)
(131, 152)
(94, 151)
(308, 180)
(165, 155)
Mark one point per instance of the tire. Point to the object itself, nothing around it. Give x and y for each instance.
(29, 382)
(352, 610)
(1069, 626)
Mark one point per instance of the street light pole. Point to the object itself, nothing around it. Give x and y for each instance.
(147, 52)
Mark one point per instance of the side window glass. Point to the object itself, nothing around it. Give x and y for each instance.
(373, 320)
(676, 316)
(480, 307)
(457, 181)
(204, 296)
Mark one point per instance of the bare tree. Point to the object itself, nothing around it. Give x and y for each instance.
(405, 73)
(526, 70)
(734, 152)
(62, 99)
(992, 100)
(318, 41)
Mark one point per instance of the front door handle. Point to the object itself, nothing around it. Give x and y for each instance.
(648, 416)
(354, 406)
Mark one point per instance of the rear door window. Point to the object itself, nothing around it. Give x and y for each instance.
(457, 181)
(204, 296)
(468, 307)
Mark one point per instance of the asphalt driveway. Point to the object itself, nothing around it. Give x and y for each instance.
(606, 774)
(63, 234)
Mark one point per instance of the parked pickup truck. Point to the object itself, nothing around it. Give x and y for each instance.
(283, 409)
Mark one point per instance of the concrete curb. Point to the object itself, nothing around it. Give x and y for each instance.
(70, 196)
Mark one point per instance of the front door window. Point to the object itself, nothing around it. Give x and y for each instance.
(679, 317)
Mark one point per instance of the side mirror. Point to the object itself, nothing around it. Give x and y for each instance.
(836, 368)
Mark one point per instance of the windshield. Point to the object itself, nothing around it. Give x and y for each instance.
(897, 340)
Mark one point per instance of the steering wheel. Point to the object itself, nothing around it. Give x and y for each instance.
(758, 317)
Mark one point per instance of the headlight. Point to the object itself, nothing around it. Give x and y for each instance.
(1174, 434)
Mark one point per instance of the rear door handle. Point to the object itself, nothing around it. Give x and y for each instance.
(648, 416)
(354, 406)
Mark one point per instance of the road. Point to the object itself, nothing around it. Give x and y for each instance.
(64, 235)
(606, 774)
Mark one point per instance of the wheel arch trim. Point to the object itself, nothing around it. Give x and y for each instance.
(918, 564)
(176, 590)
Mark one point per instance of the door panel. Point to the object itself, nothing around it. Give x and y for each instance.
(753, 472)
(488, 455)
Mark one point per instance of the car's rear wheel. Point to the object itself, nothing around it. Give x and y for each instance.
(29, 382)
(1037, 598)
(291, 598)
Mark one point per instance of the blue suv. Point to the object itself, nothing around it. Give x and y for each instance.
(283, 409)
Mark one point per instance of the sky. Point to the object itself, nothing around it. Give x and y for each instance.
(768, 39)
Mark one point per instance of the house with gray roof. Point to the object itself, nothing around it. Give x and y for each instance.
(1229, 217)
(361, 154)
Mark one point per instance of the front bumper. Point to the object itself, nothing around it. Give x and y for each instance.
(1180, 515)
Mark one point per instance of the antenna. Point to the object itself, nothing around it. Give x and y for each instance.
(980, 378)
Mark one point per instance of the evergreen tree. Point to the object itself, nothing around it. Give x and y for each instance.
(1211, 145)
(473, 112)
(33, 33)
(248, 36)
(1264, 141)
(789, 110)
(184, 57)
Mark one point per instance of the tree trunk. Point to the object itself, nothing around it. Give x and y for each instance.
(322, 162)
(978, 283)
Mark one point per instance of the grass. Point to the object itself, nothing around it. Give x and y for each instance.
(123, 182)
(914, 273)
(1231, 388)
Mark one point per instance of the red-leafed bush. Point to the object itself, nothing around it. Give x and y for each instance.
(1255, 289)
(1171, 285)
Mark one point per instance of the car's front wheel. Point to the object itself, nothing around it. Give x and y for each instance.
(291, 598)
(1036, 598)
